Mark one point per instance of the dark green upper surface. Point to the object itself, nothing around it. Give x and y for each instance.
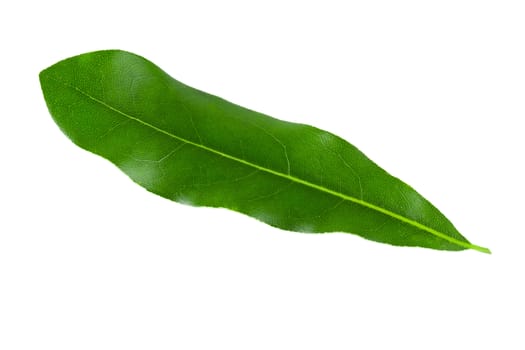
(195, 148)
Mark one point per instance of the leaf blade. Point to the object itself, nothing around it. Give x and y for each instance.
(273, 180)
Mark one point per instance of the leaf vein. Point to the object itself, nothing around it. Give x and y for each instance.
(287, 176)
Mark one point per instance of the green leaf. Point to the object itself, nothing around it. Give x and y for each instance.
(191, 147)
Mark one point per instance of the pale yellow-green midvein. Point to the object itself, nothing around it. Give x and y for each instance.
(295, 179)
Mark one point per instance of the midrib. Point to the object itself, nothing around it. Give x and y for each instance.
(289, 177)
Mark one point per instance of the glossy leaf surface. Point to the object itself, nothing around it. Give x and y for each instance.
(198, 149)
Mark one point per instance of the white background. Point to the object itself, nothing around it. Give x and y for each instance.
(433, 91)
